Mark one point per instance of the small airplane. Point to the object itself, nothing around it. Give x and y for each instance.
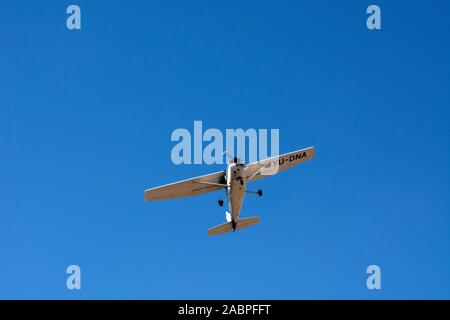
(234, 180)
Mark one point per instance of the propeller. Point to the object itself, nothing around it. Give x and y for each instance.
(233, 158)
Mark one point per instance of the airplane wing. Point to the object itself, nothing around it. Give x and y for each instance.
(186, 188)
(273, 165)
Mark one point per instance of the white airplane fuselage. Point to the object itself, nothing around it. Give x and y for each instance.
(236, 181)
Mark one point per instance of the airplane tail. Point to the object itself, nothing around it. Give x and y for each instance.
(246, 222)
(228, 226)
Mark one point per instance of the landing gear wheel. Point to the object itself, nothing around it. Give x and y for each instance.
(259, 192)
(220, 202)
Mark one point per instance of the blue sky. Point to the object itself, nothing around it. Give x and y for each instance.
(85, 124)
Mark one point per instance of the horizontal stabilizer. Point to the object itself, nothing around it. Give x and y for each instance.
(246, 222)
(228, 226)
(221, 228)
